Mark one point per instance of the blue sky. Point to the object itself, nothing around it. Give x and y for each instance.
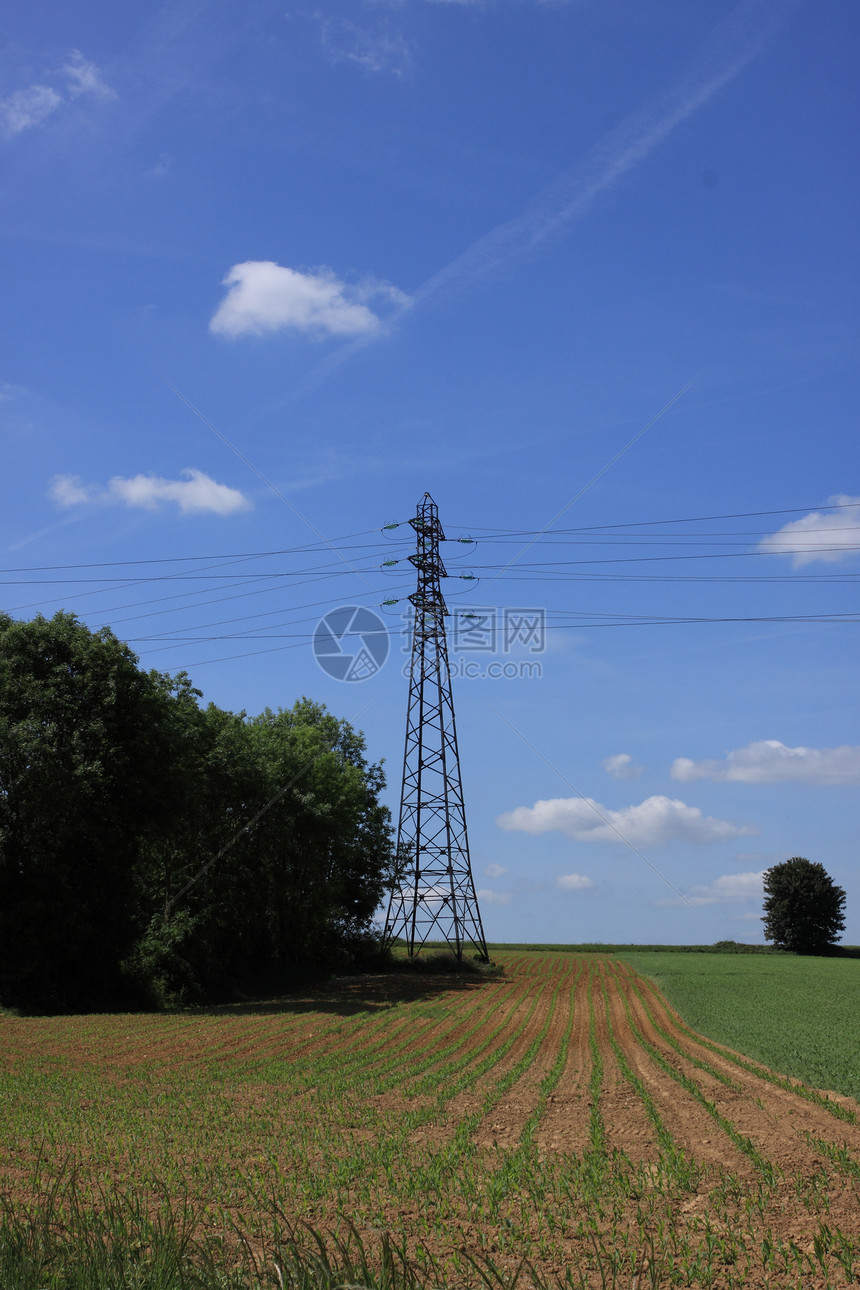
(272, 271)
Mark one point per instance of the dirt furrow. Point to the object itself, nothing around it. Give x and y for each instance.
(628, 1127)
(694, 1130)
(504, 1125)
(775, 1119)
(564, 1127)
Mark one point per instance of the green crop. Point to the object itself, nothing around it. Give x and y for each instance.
(403, 1131)
(798, 1016)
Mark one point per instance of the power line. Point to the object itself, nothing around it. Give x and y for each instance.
(490, 535)
(181, 640)
(184, 577)
(644, 559)
(612, 620)
(267, 613)
(229, 555)
(687, 519)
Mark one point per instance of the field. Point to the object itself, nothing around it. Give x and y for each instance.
(561, 1113)
(796, 1014)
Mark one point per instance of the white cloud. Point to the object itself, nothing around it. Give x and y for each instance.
(729, 889)
(768, 761)
(264, 296)
(195, 494)
(495, 871)
(494, 897)
(621, 767)
(26, 108)
(574, 882)
(67, 490)
(652, 822)
(828, 536)
(84, 77)
(29, 107)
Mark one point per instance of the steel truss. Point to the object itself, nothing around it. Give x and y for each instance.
(433, 897)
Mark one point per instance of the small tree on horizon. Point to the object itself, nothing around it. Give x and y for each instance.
(803, 907)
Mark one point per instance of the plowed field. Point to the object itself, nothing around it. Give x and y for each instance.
(562, 1113)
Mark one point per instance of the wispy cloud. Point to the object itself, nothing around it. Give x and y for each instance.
(495, 870)
(574, 882)
(622, 766)
(265, 297)
(494, 897)
(29, 107)
(344, 41)
(83, 77)
(768, 761)
(827, 536)
(653, 822)
(25, 108)
(729, 889)
(195, 494)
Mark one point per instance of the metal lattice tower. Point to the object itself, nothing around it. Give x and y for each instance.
(433, 897)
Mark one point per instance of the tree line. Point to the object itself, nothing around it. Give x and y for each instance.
(153, 850)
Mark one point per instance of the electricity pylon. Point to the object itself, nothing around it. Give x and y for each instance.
(433, 896)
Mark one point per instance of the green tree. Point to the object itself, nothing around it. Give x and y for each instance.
(325, 846)
(153, 848)
(84, 779)
(280, 860)
(803, 907)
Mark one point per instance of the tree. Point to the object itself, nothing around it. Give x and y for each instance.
(84, 780)
(292, 802)
(803, 907)
(151, 849)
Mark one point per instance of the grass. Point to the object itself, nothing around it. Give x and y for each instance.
(61, 1243)
(796, 1015)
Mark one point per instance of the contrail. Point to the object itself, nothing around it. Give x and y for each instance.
(736, 41)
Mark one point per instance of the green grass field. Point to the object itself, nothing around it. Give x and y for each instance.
(799, 1016)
